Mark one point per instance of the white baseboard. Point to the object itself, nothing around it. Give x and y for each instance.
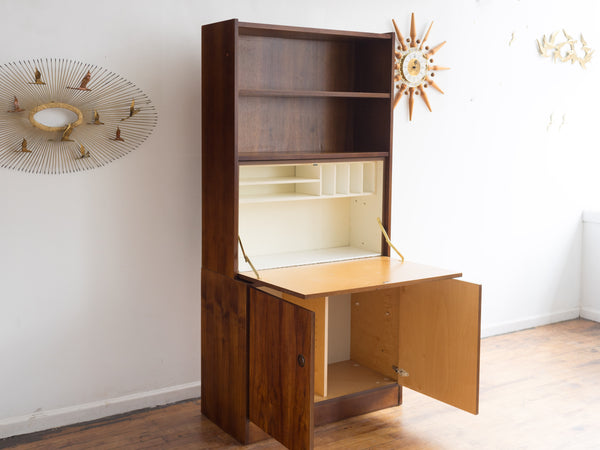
(590, 314)
(530, 322)
(44, 420)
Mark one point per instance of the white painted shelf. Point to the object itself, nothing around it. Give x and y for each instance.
(322, 255)
(276, 180)
(294, 196)
(292, 182)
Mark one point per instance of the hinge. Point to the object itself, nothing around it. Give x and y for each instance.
(400, 372)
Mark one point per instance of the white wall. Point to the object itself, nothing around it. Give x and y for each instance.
(99, 295)
(590, 270)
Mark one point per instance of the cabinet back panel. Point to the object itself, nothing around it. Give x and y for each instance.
(313, 125)
(313, 64)
(268, 228)
(276, 63)
(298, 125)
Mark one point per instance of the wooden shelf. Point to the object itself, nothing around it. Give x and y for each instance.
(290, 32)
(349, 377)
(259, 157)
(359, 275)
(301, 93)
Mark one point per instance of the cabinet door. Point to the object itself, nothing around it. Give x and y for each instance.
(439, 325)
(281, 386)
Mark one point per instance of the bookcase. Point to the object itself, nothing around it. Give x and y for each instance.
(313, 321)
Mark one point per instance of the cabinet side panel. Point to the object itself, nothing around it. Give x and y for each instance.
(219, 160)
(224, 353)
(281, 383)
(374, 330)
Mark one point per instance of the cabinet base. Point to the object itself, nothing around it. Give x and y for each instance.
(352, 405)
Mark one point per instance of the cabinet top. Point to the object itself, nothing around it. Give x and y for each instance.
(322, 280)
(291, 32)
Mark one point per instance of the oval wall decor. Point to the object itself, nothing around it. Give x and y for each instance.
(61, 116)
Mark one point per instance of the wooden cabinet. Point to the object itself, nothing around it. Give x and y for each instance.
(319, 323)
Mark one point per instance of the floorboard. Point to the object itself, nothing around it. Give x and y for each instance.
(540, 389)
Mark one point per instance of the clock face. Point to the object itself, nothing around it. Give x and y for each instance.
(413, 68)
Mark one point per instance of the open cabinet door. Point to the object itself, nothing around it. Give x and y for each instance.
(281, 386)
(439, 341)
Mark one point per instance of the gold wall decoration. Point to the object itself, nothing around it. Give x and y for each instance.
(82, 93)
(414, 69)
(566, 50)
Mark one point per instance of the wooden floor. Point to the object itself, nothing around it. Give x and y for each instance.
(540, 389)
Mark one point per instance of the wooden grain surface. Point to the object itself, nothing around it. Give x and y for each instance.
(281, 389)
(219, 155)
(322, 280)
(320, 307)
(540, 390)
(430, 330)
(374, 330)
(350, 377)
(439, 335)
(224, 352)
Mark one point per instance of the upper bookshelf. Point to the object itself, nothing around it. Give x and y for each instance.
(303, 92)
(286, 59)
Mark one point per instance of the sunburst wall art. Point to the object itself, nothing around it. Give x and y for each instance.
(61, 116)
(414, 69)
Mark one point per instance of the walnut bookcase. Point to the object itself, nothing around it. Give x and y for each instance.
(296, 163)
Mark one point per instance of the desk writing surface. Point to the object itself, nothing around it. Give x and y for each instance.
(358, 275)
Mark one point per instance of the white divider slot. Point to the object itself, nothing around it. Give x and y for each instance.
(369, 177)
(253, 175)
(356, 178)
(309, 171)
(342, 181)
(328, 179)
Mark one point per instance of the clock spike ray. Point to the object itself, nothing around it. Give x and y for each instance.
(433, 85)
(424, 96)
(413, 68)
(426, 36)
(413, 31)
(399, 36)
(434, 50)
(399, 95)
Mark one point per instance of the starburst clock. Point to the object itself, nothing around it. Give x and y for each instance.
(414, 67)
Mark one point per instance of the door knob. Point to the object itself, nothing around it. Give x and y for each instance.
(301, 360)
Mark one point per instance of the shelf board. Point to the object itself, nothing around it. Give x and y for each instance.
(275, 180)
(292, 32)
(263, 262)
(295, 196)
(349, 377)
(273, 157)
(357, 275)
(301, 93)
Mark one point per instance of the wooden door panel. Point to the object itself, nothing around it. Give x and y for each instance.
(281, 385)
(439, 325)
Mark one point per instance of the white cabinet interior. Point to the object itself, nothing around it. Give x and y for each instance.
(294, 214)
